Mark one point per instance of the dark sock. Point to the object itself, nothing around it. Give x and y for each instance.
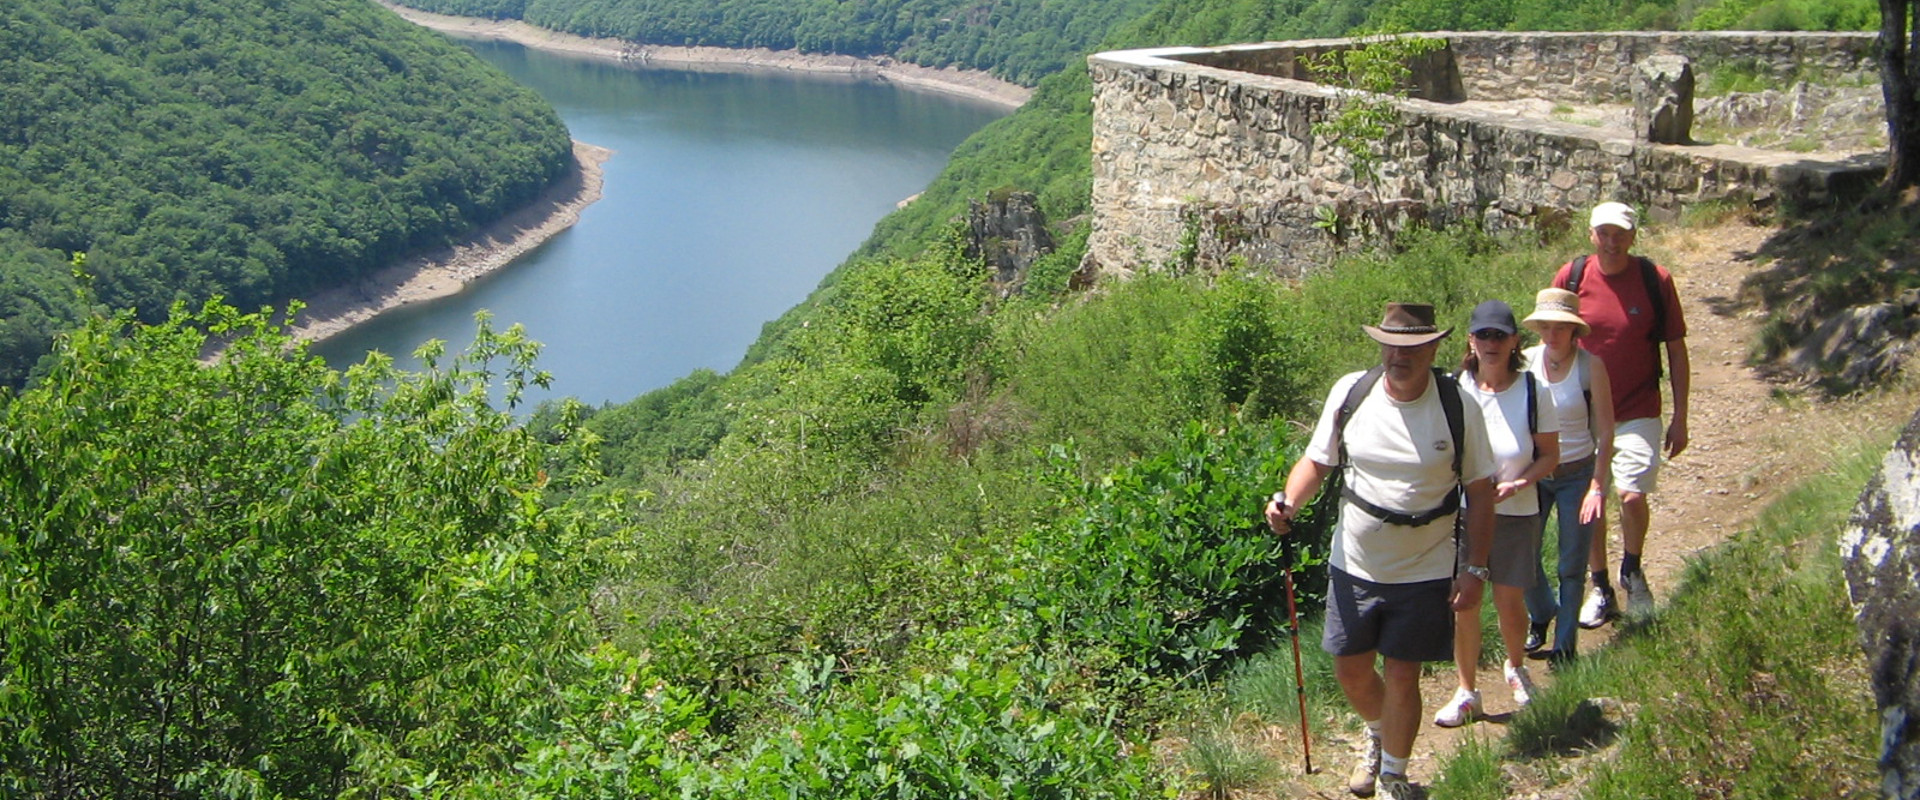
(1600, 580)
(1629, 563)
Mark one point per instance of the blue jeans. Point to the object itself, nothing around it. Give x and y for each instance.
(1564, 494)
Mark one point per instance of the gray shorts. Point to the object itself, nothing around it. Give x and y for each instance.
(1515, 560)
(1405, 621)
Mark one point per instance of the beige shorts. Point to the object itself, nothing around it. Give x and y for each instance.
(1636, 454)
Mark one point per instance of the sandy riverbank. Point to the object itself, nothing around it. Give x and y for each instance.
(965, 83)
(447, 270)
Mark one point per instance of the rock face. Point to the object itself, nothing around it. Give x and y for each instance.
(1861, 345)
(1663, 100)
(1009, 233)
(1881, 551)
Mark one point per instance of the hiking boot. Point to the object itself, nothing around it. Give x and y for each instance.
(1396, 787)
(1361, 782)
(1598, 610)
(1462, 709)
(1536, 636)
(1639, 597)
(1521, 683)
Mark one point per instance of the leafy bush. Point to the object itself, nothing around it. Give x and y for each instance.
(250, 573)
(1169, 564)
(982, 727)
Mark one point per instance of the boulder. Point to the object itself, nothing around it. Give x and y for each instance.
(1663, 100)
(1880, 549)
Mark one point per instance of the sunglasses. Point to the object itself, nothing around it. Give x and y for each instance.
(1490, 335)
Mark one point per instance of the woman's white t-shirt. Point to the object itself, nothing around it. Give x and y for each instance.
(1506, 418)
(1402, 460)
(1570, 396)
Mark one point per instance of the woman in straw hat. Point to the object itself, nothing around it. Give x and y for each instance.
(1577, 488)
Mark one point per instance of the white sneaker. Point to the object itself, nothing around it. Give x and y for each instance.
(1521, 683)
(1597, 609)
(1396, 787)
(1462, 709)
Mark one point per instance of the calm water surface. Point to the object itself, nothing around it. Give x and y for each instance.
(728, 198)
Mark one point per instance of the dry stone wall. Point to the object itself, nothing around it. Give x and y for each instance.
(1202, 155)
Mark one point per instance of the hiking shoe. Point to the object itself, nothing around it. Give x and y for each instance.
(1559, 659)
(1396, 787)
(1361, 782)
(1536, 636)
(1459, 711)
(1639, 597)
(1521, 683)
(1598, 610)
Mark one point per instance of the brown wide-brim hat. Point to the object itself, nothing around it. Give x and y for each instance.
(1557, 305)
(1406, 325)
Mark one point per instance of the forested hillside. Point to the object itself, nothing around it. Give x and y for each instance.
(1020, 41)
(193, 148)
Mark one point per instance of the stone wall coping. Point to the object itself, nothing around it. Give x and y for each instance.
(1174, 60)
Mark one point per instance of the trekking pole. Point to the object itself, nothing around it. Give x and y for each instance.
(1299, 676)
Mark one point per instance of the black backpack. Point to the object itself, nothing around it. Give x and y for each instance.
(1651, 277)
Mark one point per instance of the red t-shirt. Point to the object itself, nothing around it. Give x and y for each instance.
(1621, 315)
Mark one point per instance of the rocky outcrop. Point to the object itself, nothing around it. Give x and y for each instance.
(1861, 345)
(1009, 233)
(1663, 100)
(1881, 551)
(1835, 117)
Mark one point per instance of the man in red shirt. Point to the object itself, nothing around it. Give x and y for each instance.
(1618, 296)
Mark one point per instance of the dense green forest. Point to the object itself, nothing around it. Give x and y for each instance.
(927, 542)
(194, 148)
(1019, 41)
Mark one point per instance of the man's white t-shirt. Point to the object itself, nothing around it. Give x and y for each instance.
(1506, 416)
(1402, 460)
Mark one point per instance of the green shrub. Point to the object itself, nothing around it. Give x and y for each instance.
(253, 574)
(1168, 564)
(981, 727)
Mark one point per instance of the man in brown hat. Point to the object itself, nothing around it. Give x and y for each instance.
(1408, 449)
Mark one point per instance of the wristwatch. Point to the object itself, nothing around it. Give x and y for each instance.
(1478, 572)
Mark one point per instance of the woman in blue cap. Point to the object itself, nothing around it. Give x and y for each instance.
(1524, 430)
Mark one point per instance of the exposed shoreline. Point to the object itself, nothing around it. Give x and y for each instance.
(446, 270)
(966, 83)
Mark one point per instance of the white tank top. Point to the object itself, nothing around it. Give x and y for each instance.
(1569, 399)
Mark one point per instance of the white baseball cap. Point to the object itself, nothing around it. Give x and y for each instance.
(1619, 215)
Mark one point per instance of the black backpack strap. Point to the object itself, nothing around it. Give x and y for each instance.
(1651, 277)
(1580, 359)
(1533, 412)
(1355, 395)
(1577, 271)
(1455, 409)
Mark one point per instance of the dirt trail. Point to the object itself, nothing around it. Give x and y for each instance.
(1747, 446)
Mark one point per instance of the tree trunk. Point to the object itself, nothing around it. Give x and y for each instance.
(1900, 83)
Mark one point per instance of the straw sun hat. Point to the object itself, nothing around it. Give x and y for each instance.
(1556, 305)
